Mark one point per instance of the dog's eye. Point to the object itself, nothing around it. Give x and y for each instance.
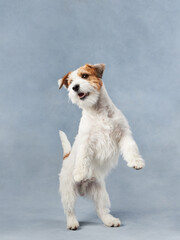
(70, 81)
(84, 75)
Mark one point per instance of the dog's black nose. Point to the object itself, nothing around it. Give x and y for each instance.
(76, 87)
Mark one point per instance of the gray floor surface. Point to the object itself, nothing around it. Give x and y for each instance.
(47, 222)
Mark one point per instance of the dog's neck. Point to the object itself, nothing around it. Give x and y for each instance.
(104, 105)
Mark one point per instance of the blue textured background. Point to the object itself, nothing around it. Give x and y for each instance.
(40, 41)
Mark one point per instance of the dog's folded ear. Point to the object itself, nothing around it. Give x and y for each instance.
(63, 81)
(60, 83)
(99, 68)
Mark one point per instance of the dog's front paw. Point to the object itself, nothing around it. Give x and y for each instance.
(80, 175)
(137, 163)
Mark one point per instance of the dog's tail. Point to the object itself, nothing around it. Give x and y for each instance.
(65, 144)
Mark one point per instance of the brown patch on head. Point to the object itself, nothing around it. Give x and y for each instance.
(65, 81)
(92, 74)
(66, 155)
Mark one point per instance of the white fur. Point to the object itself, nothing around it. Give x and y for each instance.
(65, 143)
(59, 82)
(103, 134)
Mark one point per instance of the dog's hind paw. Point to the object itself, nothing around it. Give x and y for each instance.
(72, 223)
(111, 221)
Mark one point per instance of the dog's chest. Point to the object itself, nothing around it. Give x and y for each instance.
(103, 133)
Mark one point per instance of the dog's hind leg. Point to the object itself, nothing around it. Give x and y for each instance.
(68, 198)
(101, 199)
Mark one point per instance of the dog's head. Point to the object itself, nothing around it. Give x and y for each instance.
(84, 84)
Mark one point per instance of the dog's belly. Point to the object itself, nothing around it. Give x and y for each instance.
(84, 187)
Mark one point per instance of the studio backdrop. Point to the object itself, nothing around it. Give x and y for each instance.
(40, 41)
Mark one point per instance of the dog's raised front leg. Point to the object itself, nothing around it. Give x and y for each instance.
(82, 169)
(130, 152)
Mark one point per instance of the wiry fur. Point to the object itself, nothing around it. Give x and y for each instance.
(103, 134)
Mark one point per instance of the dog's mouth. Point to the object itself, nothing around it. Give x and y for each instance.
(82, 95)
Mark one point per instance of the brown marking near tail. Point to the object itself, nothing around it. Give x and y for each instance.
(66, 155)
(94, 75)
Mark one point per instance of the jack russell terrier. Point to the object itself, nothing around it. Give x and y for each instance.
(103, 134)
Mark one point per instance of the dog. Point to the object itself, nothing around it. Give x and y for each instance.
(103, 133)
